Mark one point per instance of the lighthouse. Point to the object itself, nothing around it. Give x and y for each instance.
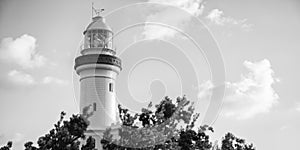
(98, 67)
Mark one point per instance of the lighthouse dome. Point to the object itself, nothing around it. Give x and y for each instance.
(98, 23)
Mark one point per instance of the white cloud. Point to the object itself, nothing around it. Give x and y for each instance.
(21, 51)
(217, 17)
(203, 98)
(284, 127)
(205, 89)
(49, 80)
(193, 7)
(21, 77)
(253, 94)
(17, 138)
(298, 107)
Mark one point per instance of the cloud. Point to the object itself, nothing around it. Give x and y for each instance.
(193, 7)
(17, 138)
(2, 136)
(298, 107)
(50, 80)
(21, 77)
(284, 127)
(205, 90)
(253, 94)
(217, 17)
(21, 51)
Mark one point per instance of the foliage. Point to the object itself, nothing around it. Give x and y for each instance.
(66, 135)
(7, 146)
(230, 142)
(170, 126)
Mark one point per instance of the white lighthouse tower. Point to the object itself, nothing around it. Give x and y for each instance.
(98, 68)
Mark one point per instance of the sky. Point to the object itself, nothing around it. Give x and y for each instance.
(168, 48)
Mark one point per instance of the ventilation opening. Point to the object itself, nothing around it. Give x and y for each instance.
(94, 107)
(111, 88)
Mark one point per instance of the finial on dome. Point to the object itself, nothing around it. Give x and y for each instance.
(98, 12)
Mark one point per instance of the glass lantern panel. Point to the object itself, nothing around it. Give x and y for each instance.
(87, 40)
(97, 40)
(109, 43)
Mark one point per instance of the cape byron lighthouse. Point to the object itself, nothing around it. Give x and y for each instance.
(98, 68)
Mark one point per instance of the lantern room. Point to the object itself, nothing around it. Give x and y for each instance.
(98, 38)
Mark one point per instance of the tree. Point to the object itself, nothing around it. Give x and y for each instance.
(66, 135)
(230, 142)
(171, 125)
(7, 146)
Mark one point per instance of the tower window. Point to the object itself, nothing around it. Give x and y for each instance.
(111, 87)
(94, 107)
